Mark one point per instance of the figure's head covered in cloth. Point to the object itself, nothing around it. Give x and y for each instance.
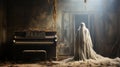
(82, 25)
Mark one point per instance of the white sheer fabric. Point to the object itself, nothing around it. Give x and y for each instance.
(84, 46)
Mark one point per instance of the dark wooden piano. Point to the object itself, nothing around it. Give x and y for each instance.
(33, 42)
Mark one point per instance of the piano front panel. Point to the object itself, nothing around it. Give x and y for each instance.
(25, 42)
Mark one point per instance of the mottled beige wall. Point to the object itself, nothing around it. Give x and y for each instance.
(106, 29)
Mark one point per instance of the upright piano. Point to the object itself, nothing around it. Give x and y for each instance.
(35, 40)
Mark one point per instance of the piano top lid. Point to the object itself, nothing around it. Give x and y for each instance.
(35, 31)
(24, 33)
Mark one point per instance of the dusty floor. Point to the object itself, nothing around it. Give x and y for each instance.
(106, 62)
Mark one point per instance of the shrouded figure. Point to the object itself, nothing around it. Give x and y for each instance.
(84, 46)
